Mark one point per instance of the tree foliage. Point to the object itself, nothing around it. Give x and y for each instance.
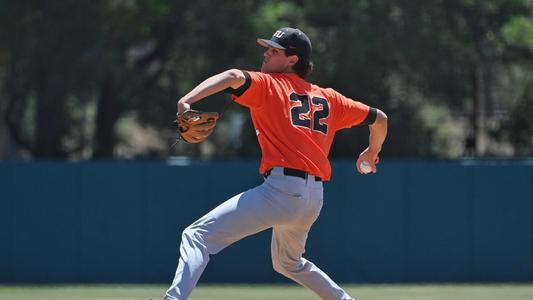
(88, 79)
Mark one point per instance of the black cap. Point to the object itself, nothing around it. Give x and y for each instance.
(289, 38)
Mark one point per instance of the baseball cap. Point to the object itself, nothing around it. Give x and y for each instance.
(289, 38)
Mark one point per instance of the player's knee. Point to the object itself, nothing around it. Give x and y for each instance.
(193, 237)
(188, 235)
(285, 266)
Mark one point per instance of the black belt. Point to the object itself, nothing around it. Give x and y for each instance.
(292, 172)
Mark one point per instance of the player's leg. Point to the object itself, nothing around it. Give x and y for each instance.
(288, 246)
(243, 215)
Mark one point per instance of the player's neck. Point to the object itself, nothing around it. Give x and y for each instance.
(289, 70)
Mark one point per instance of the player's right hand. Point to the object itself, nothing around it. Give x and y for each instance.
(371, 157)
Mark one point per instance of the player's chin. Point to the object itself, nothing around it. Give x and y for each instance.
(268, 68)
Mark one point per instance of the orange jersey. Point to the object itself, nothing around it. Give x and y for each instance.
(295, 121)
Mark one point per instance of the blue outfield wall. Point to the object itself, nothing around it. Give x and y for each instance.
(414, 221)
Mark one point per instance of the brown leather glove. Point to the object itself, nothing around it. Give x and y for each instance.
(195, 126)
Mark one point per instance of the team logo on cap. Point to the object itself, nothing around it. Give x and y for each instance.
(278, 34)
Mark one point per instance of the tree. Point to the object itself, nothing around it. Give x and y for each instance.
(444, 71)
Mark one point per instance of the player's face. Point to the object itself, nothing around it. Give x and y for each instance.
(275, 60)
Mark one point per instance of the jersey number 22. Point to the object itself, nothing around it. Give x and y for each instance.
(318, 115)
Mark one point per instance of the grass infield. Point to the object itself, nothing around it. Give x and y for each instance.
(270, 292)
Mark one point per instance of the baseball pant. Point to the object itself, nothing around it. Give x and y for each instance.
(287, 204)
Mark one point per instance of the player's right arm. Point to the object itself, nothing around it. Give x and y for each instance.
(228, 79)
(378, 133)
(349, 112)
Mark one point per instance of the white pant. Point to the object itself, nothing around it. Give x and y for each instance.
(288, 204)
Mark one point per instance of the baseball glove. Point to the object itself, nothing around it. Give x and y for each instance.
(195, 126)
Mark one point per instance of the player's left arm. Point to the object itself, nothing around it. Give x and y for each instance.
(228, 79)
(378, 133)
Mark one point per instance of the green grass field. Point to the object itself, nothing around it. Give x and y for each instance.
(269, 292)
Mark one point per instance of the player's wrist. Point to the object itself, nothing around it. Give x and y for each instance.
(182, 106)
(374, 149)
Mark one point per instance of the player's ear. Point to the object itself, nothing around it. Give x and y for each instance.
(293, 59)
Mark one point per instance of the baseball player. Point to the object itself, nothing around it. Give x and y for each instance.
(295, 122)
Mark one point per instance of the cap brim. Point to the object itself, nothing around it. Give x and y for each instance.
(269, 43)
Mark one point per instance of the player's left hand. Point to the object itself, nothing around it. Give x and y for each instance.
(371, 156)
(195, 126)
(182, 107)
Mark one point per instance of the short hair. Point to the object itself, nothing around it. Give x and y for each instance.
(303, 67)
